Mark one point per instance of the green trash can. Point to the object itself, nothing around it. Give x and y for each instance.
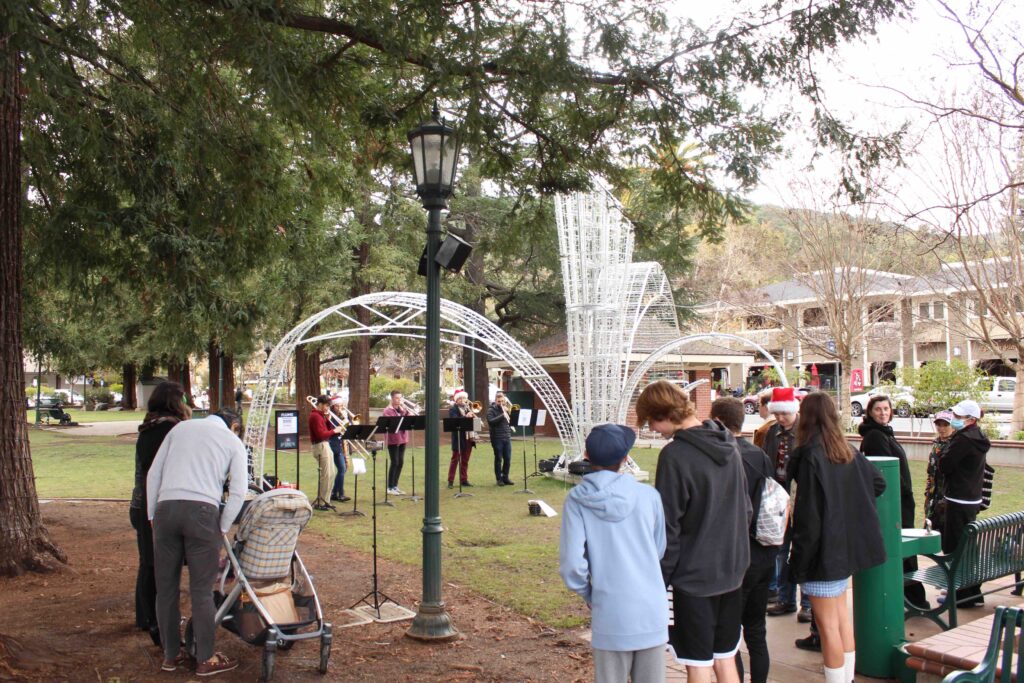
(878, 592)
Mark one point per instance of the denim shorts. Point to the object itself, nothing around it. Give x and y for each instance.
(824, 589)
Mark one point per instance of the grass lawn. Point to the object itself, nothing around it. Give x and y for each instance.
(491, 544)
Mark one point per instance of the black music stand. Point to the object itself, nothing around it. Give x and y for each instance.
(513, 420)
(461, 425)
(359, 433)
(392, 424)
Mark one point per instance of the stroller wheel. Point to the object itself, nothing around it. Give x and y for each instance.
(190, 639)
(285, 645)
(268, 665)
(325, 649)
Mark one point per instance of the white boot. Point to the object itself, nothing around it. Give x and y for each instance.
(849, 660)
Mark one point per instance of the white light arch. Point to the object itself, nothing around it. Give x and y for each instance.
(646, 364)
(400, 314)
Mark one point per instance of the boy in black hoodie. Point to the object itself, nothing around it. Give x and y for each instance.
(707, 512)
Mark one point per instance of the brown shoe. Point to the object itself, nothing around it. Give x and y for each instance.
(217, 664)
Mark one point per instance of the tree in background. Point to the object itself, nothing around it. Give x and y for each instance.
(836, 258)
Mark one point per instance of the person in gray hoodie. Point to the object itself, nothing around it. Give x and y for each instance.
(707, 512)
(613, 536)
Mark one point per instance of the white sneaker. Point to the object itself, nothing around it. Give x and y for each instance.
(393, 491)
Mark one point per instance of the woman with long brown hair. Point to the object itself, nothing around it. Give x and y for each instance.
(166, 408)
(836, 531)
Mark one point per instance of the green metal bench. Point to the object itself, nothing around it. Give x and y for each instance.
(1005, 642)
(989, 549)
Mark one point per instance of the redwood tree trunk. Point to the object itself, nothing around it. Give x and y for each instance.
(359, 357)
(213, 352)
(24, 542)
(221, 361)
(129, 377)
(179, 372)
(307, 383)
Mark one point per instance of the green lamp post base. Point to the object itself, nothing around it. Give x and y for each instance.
(432, 623)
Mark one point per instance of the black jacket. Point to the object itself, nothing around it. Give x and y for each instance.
(878, 439)
(836, 531)
(757, 467)
(707, 511)
(963, 464)
(496, 422)
(787, 438)
(151, 435)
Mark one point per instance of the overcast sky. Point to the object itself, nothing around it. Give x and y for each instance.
(924, 56)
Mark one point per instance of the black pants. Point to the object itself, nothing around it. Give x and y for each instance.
(396, 456)
(145, 580)
(958, 516)
(755, 602)
(502, 458)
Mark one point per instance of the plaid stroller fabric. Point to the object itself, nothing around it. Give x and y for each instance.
(269, 531)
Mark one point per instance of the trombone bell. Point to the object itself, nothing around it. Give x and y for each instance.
(476, 406)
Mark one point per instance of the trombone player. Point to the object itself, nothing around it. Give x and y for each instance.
(396, 442)
(321, 430)
(340, 450)
(462, 442)
(500, 425)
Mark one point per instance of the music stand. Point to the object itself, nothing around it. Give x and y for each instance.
(461, 425)
(358, 433)
(514, 420)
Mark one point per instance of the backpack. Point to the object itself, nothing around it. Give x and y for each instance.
(986, 487)
(772, 514)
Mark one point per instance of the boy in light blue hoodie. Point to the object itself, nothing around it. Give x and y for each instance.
(613, 537)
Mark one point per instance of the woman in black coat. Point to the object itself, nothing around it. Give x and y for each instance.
(165, 409)
(836, 531)
(877, 438)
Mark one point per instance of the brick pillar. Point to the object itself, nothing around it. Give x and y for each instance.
(702, 395)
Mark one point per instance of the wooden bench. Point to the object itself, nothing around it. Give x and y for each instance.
(1007, 641)
(971, 653)
(989, 549)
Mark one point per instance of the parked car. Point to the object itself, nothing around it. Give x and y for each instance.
(750, 402)
(902, 400)
(997, 393)
(69, 397)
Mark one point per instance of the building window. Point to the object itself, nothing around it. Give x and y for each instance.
(882, 313)
(814, 317)
(939, 310)
(924, 311)
(759, 322)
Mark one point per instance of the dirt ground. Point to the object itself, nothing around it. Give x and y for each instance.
(78, 624)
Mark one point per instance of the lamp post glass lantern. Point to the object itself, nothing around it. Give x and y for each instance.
(435, 154)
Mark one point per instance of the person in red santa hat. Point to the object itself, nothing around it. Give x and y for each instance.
(778, 444)
(462, 442)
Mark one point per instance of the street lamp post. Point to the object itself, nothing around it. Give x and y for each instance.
(435, 155)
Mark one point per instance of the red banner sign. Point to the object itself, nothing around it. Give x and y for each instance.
(856, 380)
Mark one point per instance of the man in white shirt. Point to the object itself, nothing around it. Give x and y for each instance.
(184, 487)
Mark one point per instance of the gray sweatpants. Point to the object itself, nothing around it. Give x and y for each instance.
(639, 666)
(186, 529)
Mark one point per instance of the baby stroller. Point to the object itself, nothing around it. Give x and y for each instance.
(272, 601)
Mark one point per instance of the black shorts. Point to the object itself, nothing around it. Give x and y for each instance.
(705, 629)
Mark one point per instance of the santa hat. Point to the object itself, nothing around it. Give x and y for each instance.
(336, 401)
(783, 401)
(460, 394)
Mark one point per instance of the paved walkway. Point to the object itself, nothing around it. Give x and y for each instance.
(98, 428)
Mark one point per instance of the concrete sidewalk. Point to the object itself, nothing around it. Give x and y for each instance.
(116, 428)
(790, 665)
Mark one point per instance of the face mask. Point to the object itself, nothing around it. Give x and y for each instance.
(956, 423)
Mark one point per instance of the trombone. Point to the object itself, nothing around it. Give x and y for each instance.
(411, 406)
(349, 417)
